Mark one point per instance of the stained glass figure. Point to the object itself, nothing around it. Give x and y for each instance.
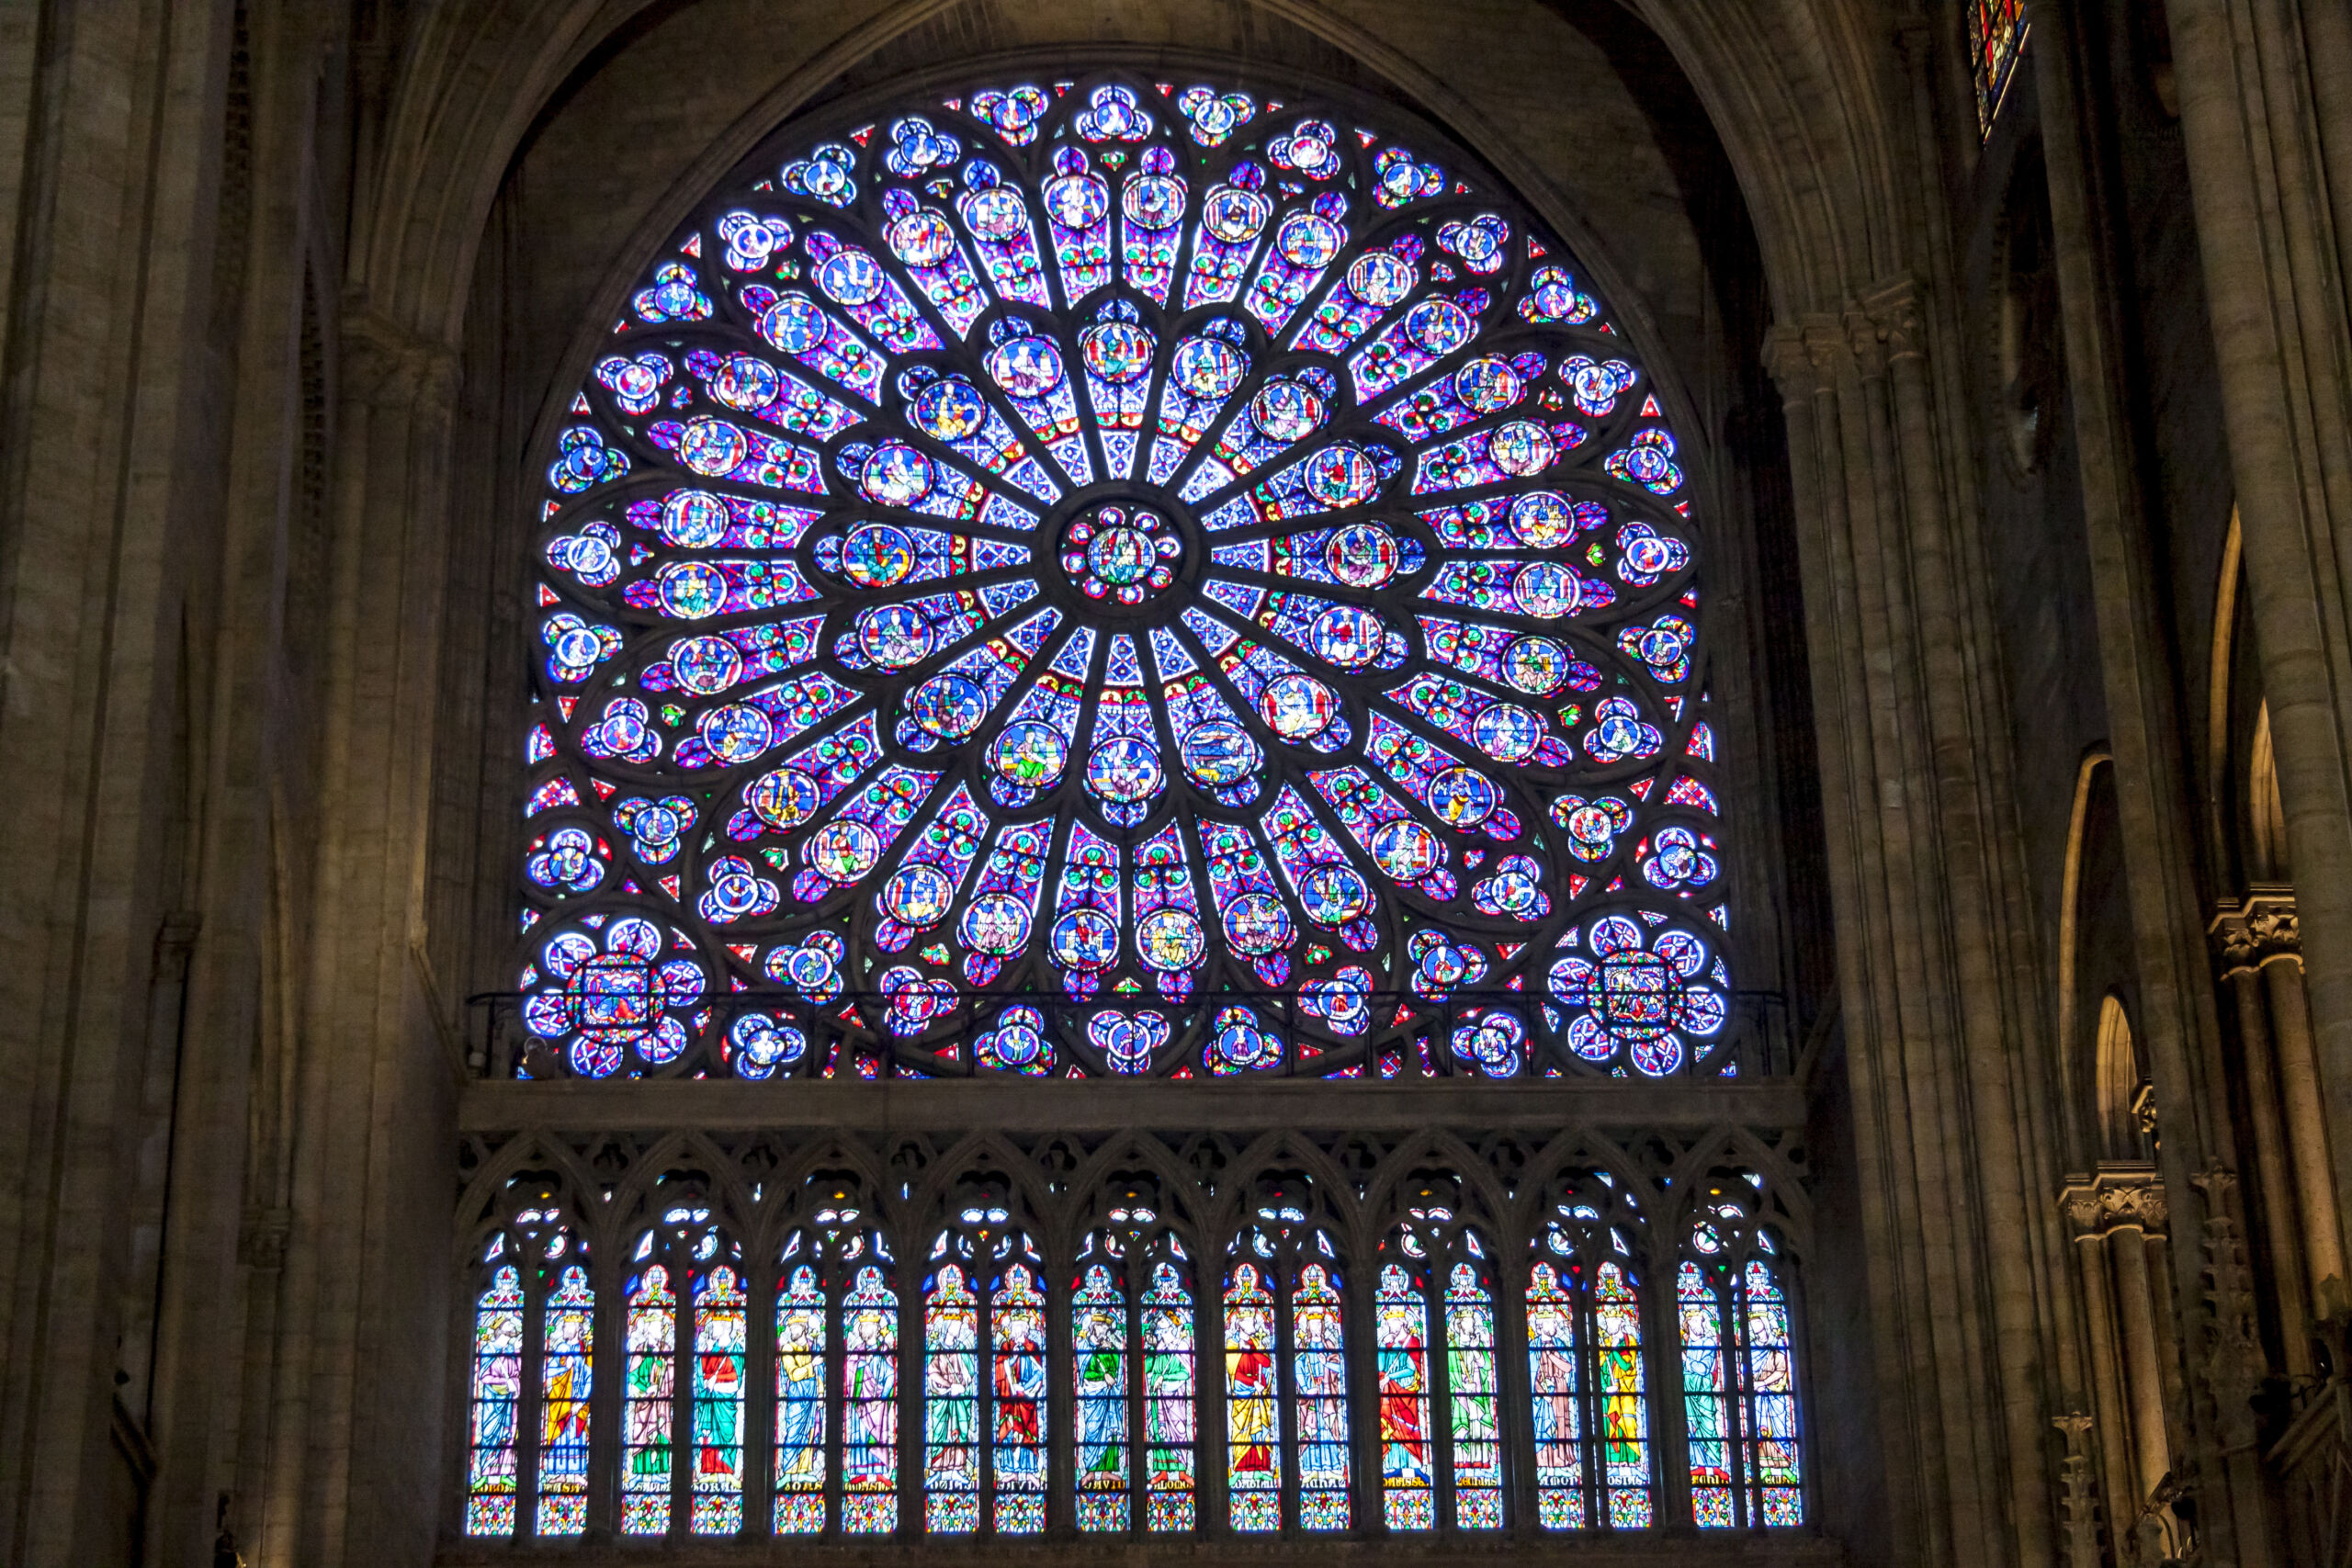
(496, 1394)
(802, 1318)
(1319, 1372)
(1101, 1359)
(1471, 1391)
(1585, 1359)
(1017, 1413)
(951, 1403)
(1170, 1441)
(1738, 1363)
(1254, 1448)
(650, 1341)
(567, 1350)
(1131, 541)
(717, 1483)
(870, 1405)
(1624, 1409)
(1555, 1383)
(1706, 1397)
(1997, 32)
(1769, 1387)
(1408, 1479)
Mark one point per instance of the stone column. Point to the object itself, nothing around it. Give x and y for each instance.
(2227, 1351)
(2259, 945)
(2265, 98)
(2299, 1091)
(2286, 1248)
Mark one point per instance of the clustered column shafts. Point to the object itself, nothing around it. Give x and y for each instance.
(2119, 1217)
(2177, 1016)
(1921, 880)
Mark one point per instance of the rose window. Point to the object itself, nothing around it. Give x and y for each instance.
(1120, 578)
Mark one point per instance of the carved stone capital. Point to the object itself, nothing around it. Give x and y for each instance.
(261, 1237)
(385, 366)
(1804, 357)
(2119, 1197)
(2260, 926)
(1893, 311)
(1865, 343)
(1784, 360)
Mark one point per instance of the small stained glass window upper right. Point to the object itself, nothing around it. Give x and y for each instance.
(1997, 30)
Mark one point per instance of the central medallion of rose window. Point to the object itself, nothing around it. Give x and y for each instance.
(1125, 554)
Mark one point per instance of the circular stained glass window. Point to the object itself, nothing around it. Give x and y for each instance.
(1198, 569)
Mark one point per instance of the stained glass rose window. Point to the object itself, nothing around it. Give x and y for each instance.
(1120, 577)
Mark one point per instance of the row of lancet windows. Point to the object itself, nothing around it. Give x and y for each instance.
(838, 1389)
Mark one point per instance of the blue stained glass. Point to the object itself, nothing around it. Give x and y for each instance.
(982, 593)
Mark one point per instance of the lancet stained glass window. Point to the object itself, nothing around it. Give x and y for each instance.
(719, 1345)
(1133, 1365)
(1119, 576)
(802, 1339)
(651, 1370)
(1434, 1358)
(496, 1395)
(528, 1381)
(1287, 1435)
(1117, 1448)
(836, 1374)
(1585, 1359)
(985, 1393)
(1738, 1365)
(567, 1352)
(1102, 1362)
(686, 1328)
(870, 1406)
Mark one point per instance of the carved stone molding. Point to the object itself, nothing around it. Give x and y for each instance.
(2077, 1499)
(2119, 1197)
(2260, 927)
(2232, 1360)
